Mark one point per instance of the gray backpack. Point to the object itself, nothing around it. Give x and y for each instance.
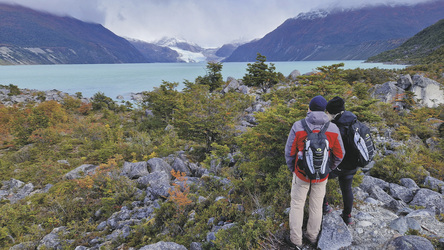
(316, 158)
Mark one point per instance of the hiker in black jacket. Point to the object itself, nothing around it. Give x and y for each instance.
(348, 167)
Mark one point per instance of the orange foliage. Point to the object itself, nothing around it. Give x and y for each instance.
(54, 111)
(179, 195)
(6, 115)
(85, 108)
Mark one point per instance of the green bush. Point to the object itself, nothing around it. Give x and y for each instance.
(251, 234)
(392, 168)
(260, 74)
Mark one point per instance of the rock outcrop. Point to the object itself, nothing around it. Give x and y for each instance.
(384, 216)
(427, 92)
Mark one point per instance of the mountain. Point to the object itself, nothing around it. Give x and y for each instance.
(32, 37)
(226, 50)
(353, 34)
(188, 51)
(425, 47)
(156, 53)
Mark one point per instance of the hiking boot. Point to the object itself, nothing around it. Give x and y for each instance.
(291, 244)
(326, 209)
(347, 219)
(312, 244)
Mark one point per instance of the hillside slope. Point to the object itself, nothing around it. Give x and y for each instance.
(155, 53)
(32, 37)
(342, 35)
(425, 47)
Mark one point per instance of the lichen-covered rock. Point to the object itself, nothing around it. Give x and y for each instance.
(409, 242)
(335, 234)
(82, 171)
(158, 164)
(429, 199)
(135, 170)
(161, 245)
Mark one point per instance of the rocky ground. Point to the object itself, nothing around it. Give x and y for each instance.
(400, 216)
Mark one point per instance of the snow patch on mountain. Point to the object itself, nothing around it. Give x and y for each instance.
(312, 15)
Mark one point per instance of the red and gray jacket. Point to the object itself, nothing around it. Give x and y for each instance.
(295, 142)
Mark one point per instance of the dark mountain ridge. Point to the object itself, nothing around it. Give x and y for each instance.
(32, 37)
(342, 35)
(425, 47)
(155, 53)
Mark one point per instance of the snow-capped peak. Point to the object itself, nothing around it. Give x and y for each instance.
(172, 41)
(312, 15)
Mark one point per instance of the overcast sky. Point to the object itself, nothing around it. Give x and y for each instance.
(209, 23)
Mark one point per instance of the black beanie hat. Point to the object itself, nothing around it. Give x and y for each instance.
(318, 103)
(335, 105)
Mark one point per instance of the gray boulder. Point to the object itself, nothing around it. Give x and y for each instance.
(294, 75)
(154, 179)
(334, 234)
(403, 224)
(398, 206)
(180, 165)
(158, 164)
(232, 85)
(429, 199)
(386, 92)
(15, 190)
(196, 246)
(244, 89)
(405, 82)
(81, 248)
(24, 246)
(22, 193)
(434, 184)
(427, 91)
(161, 245)
(135, 170)
(400, 193)
(52, 240)
(368, 182)
(409, 183)
(158, 184)
(118, 234)
(409, 242)
(421, 213)
(379, 194)
(82, 171)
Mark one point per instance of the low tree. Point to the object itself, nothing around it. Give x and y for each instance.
(162, 101)
(101, 101)
(213, 78)
(260, 74)
(206, 117)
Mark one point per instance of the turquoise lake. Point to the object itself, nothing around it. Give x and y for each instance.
(124, 79)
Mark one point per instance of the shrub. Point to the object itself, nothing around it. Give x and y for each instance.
(251, 234)
(260, 74)
(213, 78)
(393, 168)
(101, 101)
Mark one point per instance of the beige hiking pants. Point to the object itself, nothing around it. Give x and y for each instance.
(299, 190)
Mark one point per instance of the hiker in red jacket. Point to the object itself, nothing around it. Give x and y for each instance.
(316, 118)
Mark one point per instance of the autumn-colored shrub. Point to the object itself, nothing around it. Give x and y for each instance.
(179, 193)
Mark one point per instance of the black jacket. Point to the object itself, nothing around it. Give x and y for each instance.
(349, 163)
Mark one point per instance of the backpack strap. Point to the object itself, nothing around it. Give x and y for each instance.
(309, 131)
(305, 126)
(325, 127)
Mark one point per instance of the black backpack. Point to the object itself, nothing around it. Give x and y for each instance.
(361, 143)
(316, 154)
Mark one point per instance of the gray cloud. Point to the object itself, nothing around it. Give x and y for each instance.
(205, 22)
